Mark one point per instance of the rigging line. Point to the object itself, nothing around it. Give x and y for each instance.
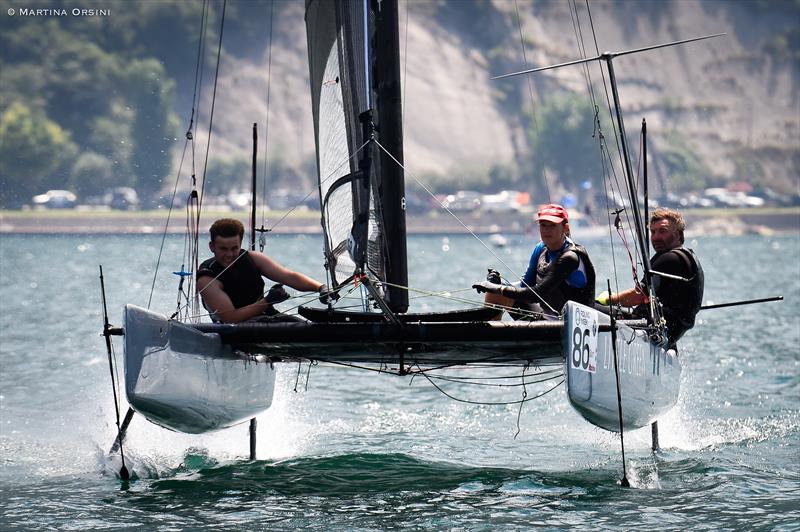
(617, 134)
(530, 93)
(166, 224)
(577, 28)
(524, 395)
(290, 210)
(488, 361)
(465, 379)
(476, 237)
(198, 88)
(495, 385)
(604, 152)
(199, 64)
(189, 136)
(522, 312)
(266, 126)
(492, 403)
(211, 117)
(319, 187)
(608, 217)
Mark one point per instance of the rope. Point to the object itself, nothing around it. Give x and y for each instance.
(492, 403)
(530, 92)
(213, 105)
(266, 132)
(604, 152)
(476, 237)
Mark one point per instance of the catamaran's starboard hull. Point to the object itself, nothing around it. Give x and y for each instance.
(188, 381)
(649, 373)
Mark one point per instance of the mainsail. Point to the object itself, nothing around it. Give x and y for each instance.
(355, 92)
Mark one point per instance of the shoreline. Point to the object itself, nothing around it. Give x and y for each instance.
(703, 222)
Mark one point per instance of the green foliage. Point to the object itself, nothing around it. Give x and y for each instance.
(785, 47)
(223, 175)
(96, 82)
(91, 173)
(686, 170)
(564, 144)
(34, 151)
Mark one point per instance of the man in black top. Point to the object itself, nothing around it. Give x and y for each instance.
(681, 298)
(231, 282)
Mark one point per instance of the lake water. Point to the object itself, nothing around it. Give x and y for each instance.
(344, 449)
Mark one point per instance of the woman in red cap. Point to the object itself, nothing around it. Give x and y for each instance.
(559, 271)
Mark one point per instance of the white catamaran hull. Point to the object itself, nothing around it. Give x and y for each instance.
(188, 381)
(649, 373)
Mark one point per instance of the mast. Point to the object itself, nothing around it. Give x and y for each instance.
(390, 191)
(634, 198)
(644, 164)
(253, 191)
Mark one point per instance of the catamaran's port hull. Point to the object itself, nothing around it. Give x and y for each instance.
(187, 381)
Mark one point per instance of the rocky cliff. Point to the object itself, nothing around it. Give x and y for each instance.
(732, 99)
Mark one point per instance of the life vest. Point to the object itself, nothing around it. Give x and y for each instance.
(242, 281)
(578, 286)
(681, 309)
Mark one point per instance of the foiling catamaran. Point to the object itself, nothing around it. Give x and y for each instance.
(197, 377)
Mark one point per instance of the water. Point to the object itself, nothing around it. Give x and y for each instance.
(361, 450)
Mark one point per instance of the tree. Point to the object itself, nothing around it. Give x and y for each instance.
(34, 151)
(153, 131)
(562, 145)
(685, 169)
(91, 174)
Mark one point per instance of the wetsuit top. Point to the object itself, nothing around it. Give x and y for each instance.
(242, 281)
(681, 300)
(561, 276)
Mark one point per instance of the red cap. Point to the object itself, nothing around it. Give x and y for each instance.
(553, 213)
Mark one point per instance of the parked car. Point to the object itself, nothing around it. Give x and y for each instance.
(463, 200)
(503, 201)
(55, 199)
(122, 198)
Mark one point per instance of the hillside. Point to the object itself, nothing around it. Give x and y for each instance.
(733, 100)
(718, 111)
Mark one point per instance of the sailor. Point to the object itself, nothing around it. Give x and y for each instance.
(559, 270)
(680, 298)
(231, 282)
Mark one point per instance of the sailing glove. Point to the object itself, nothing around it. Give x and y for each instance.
(276, 294)
(488, 287)
(493, 276)
(516, 293)
(326, 295)
(603, 297)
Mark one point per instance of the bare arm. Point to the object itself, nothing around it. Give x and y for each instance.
(274, 271)
(627, 298)
(217, 301)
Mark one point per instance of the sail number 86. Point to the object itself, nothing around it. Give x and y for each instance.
(580, 348)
